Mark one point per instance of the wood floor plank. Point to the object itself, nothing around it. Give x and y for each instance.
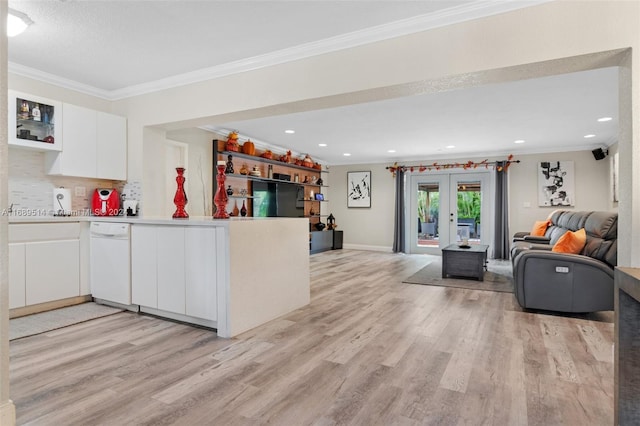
(367, 350)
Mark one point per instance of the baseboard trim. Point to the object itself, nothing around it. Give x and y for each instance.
(7, 413)
(132, 308)
(368, 248)
(179, 317)
(48, 306)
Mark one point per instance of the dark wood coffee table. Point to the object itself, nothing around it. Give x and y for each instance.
(464, 262)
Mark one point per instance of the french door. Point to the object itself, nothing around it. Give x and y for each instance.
(447, 208)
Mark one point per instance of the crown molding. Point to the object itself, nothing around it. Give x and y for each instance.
(55, 80)
(420, 23)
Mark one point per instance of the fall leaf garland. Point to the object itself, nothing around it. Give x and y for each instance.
(443, 166)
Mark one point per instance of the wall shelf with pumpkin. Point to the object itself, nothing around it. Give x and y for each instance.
(256, 166)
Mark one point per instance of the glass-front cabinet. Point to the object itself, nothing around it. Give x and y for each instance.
(34, 122)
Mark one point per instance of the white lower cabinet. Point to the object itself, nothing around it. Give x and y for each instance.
(44, 263)
(200, 273)
(173, 269)
(53, 271)
(171, 272)
(144, 270)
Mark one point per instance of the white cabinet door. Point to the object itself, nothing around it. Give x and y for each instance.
(16, 275)
(53, 270)
(144, 270)
(200, 272)
(94, 145)
(78, 156)
(173, 269)
(171, 275)
(111, 146)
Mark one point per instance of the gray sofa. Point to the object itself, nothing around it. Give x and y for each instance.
(562, 282)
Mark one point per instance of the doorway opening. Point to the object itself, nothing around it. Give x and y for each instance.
(448, 208)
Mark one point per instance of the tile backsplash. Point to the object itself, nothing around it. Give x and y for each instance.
(30, 188)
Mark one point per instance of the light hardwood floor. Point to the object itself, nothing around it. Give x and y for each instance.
(367, 350)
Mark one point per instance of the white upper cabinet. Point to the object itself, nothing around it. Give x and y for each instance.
(94, 145)
(111, 146)
(78, 156)
(34, 122)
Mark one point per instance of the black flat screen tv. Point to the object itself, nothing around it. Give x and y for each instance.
(275, 199)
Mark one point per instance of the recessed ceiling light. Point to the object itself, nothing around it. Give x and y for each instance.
(450, 146)
(519, 141)
(589, 136)
(322, 144)
(391, 151)
(289, 131)
(602, 119)
(346, 154)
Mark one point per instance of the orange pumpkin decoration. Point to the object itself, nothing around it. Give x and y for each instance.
(306, 161)
(232, 142)
(267, 154)
(248, 148)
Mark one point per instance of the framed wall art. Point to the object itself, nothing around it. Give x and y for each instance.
(556, 183)
(359, 189)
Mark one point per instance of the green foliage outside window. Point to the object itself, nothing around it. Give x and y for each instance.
(431, 213)
(468, 205)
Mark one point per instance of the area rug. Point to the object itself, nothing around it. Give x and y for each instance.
(58, 318)
(498, 277)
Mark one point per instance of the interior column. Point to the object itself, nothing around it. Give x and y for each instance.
(7, 409)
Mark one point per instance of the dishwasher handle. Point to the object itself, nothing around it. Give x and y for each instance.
(109, 230)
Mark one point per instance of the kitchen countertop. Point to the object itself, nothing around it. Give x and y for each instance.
(148, 220)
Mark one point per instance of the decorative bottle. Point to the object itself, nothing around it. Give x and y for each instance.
(220, 199)
(270, 171)
(243, 210)
(180, 199)
(35, 113)
(229, 169)
(236, 212)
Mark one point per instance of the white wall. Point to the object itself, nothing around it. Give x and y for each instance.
(373, 228)
(363, 228)
(159, 178)
(592, 186)
(483, 54)
(552, 38)
(199, 175)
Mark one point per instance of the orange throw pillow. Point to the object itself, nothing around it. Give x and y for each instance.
(571, 242)
(539, 228)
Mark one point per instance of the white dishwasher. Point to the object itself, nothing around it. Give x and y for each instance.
(110, 254)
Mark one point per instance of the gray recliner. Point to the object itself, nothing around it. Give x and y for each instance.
(562, 282)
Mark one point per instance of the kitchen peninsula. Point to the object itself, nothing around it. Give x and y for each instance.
(232, 275)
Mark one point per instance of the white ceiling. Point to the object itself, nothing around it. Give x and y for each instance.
(115, 49)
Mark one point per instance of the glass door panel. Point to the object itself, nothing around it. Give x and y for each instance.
(428, 195)
(469, 197)
(428, 214)
(469, 190)
(445, 209)
(35, 122)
